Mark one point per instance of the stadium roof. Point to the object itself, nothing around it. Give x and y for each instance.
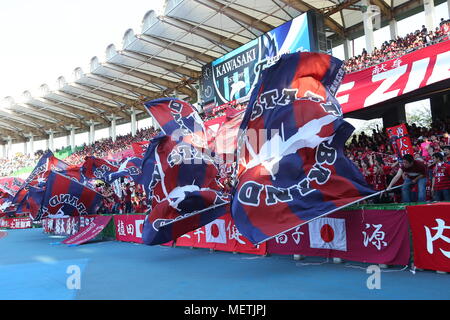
(165, 58)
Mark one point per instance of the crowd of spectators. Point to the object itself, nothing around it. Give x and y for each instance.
(105, 147)
(398, 47)
(375, 158)
(19, 161)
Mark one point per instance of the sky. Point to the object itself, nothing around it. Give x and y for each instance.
(42, 40)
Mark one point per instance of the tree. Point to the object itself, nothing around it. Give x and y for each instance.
(419, 114)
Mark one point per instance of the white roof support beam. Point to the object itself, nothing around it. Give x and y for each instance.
(208, 35)
(177, 69)
(236, 15)
(172, 46)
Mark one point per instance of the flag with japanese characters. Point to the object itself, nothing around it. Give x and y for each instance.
(292, 167)
(430, 227)
(373, 236)
(66, 197)
(400, 140)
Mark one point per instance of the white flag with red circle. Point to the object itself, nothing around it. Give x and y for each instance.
(328, 233)
(216, 232)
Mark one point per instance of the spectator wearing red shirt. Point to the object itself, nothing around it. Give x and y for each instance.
(127, 198)
(441, 179)
(413, 172)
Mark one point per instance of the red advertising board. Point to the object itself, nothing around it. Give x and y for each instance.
(220, 234)
(66, 226)
(395, 77)
(129, 228)
(373, 236)
(15, 223)
(430, 227)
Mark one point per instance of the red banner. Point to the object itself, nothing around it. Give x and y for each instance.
(395, 77)
(221, 234)
(90, 232)
(15, 223)
(400, 140)
(66, 226)
(373, 236)
(129, 228)
(430, 226)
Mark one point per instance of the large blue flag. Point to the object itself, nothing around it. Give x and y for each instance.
(292, 167)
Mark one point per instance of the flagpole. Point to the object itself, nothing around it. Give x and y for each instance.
(330, 212)
(188, 215)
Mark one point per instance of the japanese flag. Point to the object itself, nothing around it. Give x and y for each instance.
(139, 225)
(328, 233)
(215, 231)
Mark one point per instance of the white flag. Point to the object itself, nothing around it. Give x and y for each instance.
(216, 231)
(328, 233)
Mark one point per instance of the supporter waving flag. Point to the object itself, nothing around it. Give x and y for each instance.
(174, 115)
(75, 172)
(290, 149)
(31, 204)
(130, 167)
(180, 174)
(139, 148)
(66, 197)
(96, 168)
(38, 176)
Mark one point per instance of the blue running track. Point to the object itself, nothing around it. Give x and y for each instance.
(35, 266)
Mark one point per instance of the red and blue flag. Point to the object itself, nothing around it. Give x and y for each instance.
(180, 174)
(130, 167)
(292, 167)
(66, 197)
(38, 176)
(174, 115)
(97, 168)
